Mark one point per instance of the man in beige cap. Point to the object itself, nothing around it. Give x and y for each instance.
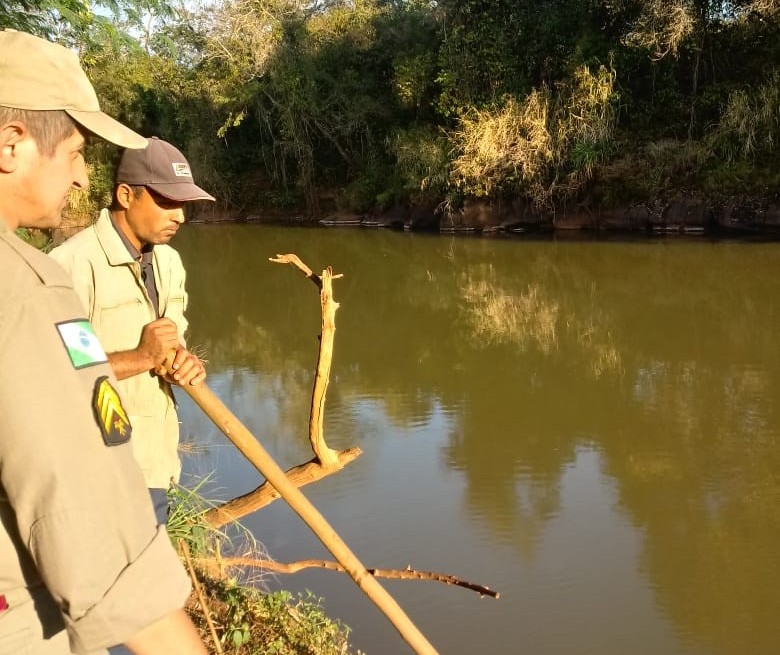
(132, 284)
(83, 564)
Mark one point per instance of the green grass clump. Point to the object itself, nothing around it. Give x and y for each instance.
(247, 619)
(251, 622)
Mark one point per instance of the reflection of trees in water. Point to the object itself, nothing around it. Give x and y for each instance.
(532, 317)
(274, 406)
(495, 315)
(666, 355)
(515, 504)
(518, 432)
(692, 424)
(700, 473)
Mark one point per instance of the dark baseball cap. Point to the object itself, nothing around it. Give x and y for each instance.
(37, 75)
(161, 168)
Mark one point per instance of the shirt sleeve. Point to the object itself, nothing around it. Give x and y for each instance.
(82, 510)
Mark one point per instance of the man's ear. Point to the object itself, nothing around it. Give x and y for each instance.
(11, 135)
(124, 195)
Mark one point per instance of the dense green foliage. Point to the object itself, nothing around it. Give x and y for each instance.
(372, 103)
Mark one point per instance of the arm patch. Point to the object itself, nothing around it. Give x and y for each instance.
(81, 343)
(110, 415)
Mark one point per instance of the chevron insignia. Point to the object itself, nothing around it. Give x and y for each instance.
(109, 413)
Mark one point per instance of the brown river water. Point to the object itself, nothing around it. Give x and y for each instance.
(589, 427)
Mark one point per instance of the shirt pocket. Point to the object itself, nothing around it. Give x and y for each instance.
(119, 325)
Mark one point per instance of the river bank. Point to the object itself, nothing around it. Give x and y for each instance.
(234, 612)
(688, 214)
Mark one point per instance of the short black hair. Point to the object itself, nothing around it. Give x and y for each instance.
(138, 191)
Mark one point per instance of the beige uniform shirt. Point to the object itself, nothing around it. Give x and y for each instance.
(109, 283)
(79, 545)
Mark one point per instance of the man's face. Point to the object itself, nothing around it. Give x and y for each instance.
(153, 219)
(45, 181)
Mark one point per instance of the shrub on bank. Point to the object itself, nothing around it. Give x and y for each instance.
(251, 622)
(246, 620)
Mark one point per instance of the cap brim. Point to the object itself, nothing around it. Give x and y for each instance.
(180, 191)
(109, 129)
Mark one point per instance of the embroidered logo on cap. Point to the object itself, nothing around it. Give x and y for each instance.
(3, 603)
(181, 169)
(110, 414)
(82, 343)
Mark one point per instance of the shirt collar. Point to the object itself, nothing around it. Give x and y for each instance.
(143, 255)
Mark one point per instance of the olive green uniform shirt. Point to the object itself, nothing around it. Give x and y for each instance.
(79, 544)
(108, 280)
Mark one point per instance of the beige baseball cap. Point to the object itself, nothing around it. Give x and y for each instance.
(38, 75)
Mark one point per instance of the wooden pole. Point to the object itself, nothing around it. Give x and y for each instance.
(265, 494)
(251, 448)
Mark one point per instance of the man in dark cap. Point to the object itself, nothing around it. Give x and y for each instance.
(132, 284)
(83, 563)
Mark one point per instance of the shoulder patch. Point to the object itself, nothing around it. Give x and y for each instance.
(110, 414)
(82, 343)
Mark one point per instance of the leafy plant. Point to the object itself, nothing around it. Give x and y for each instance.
(422, 160)
(257, 623)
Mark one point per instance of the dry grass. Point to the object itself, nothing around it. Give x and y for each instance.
(512, 143)
(245, 35)
(749, 124)
(768, 8)
(545, 146)
(662, 27)
(83, 206)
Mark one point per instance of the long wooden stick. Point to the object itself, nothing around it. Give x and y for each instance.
(250, 447)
